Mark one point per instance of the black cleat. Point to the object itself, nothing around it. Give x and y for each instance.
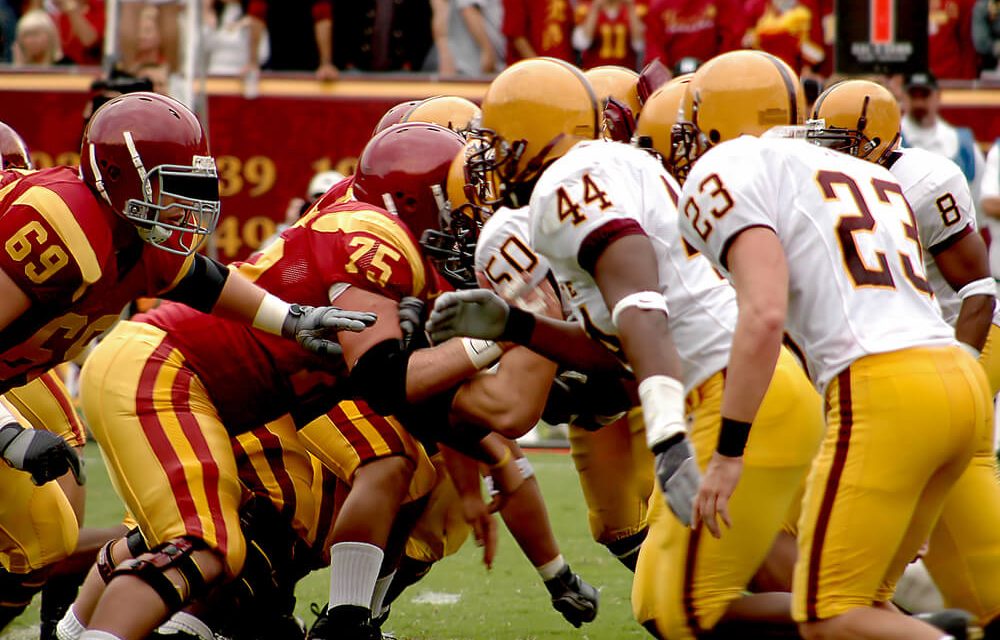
(343, 622)
(572, 597)
(955, 622)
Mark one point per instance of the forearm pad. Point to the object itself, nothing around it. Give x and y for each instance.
(379, 377)
(201, 287)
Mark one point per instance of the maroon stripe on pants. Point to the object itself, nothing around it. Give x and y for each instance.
(830, 493)
(690, 560)
(356, 439)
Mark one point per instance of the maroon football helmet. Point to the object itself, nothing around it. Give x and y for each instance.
(394, 115)
(146, 155)
(13, 151)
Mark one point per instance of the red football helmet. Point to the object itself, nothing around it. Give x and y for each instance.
(394, 115)
(405, 170)
(146, 155)
(13, 151)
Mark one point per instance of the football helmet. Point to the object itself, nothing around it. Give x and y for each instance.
(146, 155)
(454, 112)
(533, 112)
(405, 169)
(733, 94)
(394, 115)
(659, 115)
(858, 117)
(617, 92)
(13, 152)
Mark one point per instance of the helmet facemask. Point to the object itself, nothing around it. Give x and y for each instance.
(452, 247)
(850, 141)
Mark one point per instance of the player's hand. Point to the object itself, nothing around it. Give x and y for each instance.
(474, 313)
(411, 318)
(315, 328)
(678, 475)
(484, 527)
(43, 454)
(507, 480)
(721, 477)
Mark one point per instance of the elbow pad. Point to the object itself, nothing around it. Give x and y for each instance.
(379, 377)
(201, 287)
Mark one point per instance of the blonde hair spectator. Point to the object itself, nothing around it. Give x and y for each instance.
(37, 40)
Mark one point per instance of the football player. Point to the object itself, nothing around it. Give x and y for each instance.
(454, 112)
(861, 118)
(825, 247)
(604, 215)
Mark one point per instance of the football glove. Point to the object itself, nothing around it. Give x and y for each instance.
(315, 328)
(678, 475)
(474, 313)
(411, 319)
(43, 454)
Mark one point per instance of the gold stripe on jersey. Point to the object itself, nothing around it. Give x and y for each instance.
(181, 273)
(7, 189)
(380, 225)
(264, 261)
(56, 212)
(379, 446)
(171, 424)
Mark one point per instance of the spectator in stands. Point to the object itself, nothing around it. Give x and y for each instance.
(382, 35)
(300, 36)
(468, 37)
(8, 30)
(226, 40)
(989, 203)
(146, 21)
(784, 29)
(609, 32)
(698, 28)
(950, 50)
(986, 32)
(538, 28)
(81, 30)
(37, 42)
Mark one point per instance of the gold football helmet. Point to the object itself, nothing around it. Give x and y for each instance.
(621, 85)
(533, 112)
(858, 117)
(738, 93)
(659, 115)
(453, 112)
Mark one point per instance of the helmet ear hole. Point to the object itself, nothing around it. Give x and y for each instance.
(714, 136)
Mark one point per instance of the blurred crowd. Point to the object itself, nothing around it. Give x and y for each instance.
(468, 37)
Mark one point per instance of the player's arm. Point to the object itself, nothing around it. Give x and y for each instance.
(210, 287)
(965, 266)
(759, 273)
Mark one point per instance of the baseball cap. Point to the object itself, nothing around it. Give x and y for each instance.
(924, 80)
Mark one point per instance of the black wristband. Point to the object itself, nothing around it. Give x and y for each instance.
(520, 325)
(733, 437)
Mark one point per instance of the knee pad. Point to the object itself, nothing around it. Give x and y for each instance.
(134, 543)
(627, 549)
(151, 567)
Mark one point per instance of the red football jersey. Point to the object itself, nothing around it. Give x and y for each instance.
(950, 49)
(340, 192)
(547, 25)
(78, 262)
(254, 377)
(701, 29)
(612, 41)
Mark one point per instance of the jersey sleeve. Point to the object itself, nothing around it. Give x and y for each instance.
(45, 251)
(579, 212)
(944, 209)
(722, 197)
(503, 253)
(370, 250)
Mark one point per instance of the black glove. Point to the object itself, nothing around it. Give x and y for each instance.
(589, 401)
(43, 454)
(411, 320)
(315, 328)
(678, 475)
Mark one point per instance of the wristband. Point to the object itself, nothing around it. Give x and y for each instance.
(271, 314)
(642, 300)
(971, 350)
(482, 353)
(519, 326)
(733, 437)
(981, 287)
(662, 399)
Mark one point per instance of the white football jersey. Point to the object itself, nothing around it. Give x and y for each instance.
(503, 251)
(598, 185)
(857, 283)
(939, 195)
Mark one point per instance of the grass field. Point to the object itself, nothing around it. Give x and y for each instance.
(460, 599)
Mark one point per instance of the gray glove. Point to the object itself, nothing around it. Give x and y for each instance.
(678, 475)
(315, 328)
(43, 454)
(411, 318)
(473, 313)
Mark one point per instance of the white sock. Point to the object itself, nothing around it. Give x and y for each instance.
(551, 568)
(186, 623)
(98, 635)
(381, 587)
(69, 628)
(353, 572)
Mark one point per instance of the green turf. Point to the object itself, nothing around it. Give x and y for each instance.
(508, 603)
